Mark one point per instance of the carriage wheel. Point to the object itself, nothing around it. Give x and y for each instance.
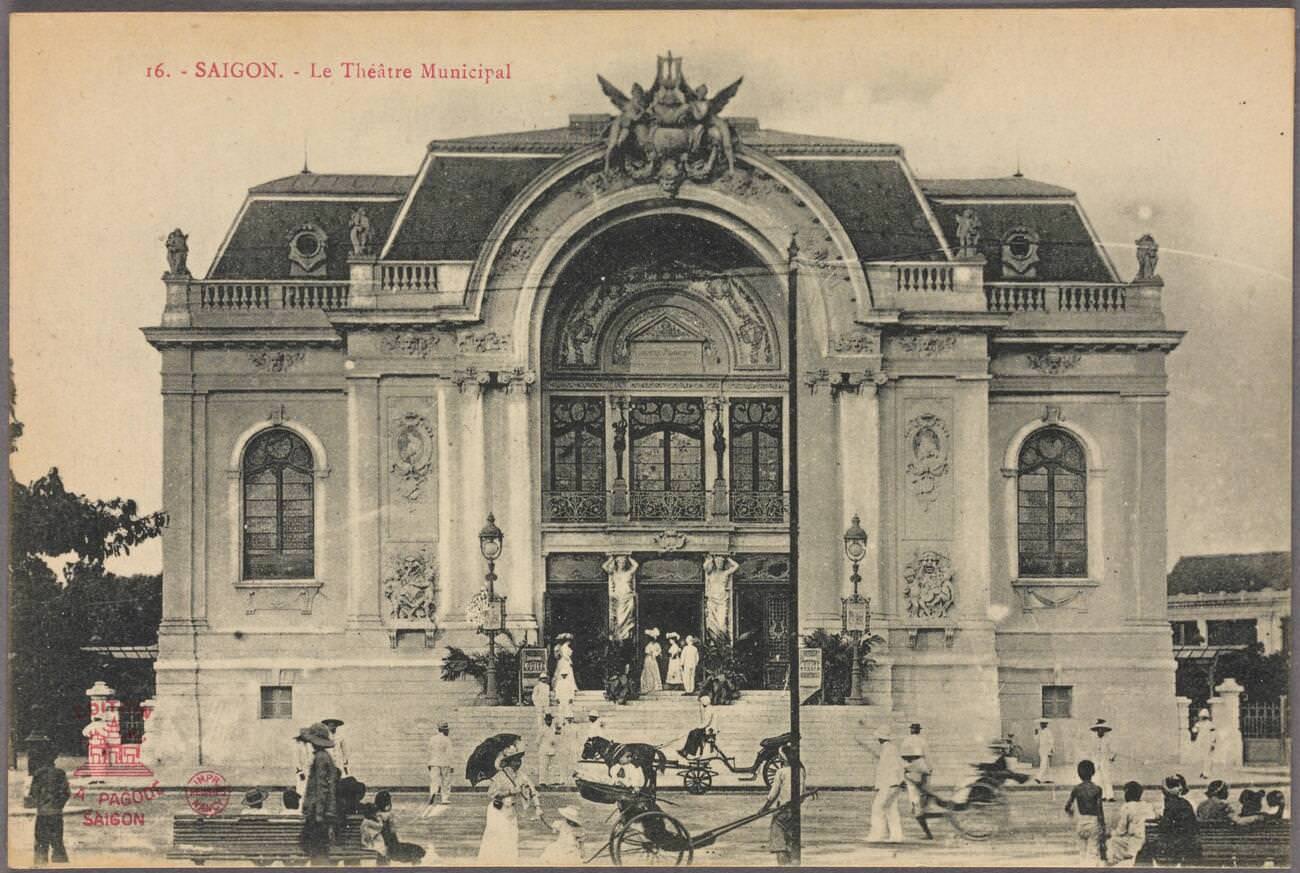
(697, 780)
(983, 815)
(770, 766)
(651, 839)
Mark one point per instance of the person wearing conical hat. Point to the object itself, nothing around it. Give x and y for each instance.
(319, 802)
(1103, 756)
(566, 851)
(508, 792)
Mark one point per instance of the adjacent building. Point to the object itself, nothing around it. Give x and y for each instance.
(583, 331)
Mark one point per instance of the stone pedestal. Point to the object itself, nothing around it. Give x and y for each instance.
(1226, 710)
(1185, 751)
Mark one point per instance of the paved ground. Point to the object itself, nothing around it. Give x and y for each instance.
(835, 826)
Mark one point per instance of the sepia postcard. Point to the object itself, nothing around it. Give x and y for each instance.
(745, 438)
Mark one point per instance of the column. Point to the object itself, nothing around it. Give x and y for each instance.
(859, 458)
(616, 415)
(716, 457)
(970, 456)
(363, 500)
(199, 513)
(520, 503)
(471, 475)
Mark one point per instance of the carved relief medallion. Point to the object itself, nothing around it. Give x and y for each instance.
(927, 451)
(412, 451)
(411, 586)
(670, 540)
(928, 592)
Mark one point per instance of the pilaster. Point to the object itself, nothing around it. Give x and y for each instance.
(364, 477)
(523, 594)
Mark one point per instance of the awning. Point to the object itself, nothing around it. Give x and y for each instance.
(1204, 654)
(125, 653)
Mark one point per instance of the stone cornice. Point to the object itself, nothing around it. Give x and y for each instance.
(382, 319)
(1091, 340)
(240, 337)
(970, 322)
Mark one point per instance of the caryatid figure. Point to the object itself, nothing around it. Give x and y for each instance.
(718, 570)
(621, 570)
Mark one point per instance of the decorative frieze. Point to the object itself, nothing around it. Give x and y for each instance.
(927, 345)
(278, 596)
(482, 341)
(928, 591)
(927, 447)
(1052, 363)
(857, 342)
(275, 361)
(409, 344)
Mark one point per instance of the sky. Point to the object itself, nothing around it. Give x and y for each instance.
(1173, 122)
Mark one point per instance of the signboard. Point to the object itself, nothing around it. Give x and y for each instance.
(494, 615)
(857, 614)
(532, 664)
(810, 672)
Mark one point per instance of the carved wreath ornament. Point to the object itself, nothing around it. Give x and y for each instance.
(928, 591)
(413, 451)
(927, 456)
(411, 588)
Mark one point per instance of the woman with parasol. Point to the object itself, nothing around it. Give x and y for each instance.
(508, 790)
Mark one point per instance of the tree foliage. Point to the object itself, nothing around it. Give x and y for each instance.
(52, 618)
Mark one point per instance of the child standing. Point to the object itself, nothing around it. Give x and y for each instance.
(50, 794)
(1090, 823)
(566, 851)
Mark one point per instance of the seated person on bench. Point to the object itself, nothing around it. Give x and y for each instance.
(706, 732)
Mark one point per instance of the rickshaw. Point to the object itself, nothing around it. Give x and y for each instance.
(642, 833)
(697, 773)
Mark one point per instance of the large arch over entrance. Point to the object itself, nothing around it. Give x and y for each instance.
(662, 363)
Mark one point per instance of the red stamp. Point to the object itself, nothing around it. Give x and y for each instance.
(207, 792)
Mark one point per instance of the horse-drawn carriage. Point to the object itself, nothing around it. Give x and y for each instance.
(698, 773)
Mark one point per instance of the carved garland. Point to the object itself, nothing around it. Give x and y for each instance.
(927, 345)
(410, 344)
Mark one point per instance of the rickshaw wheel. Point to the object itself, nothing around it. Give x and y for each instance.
(697, 780)
(984, 814)
(770, 766)
(652, 838)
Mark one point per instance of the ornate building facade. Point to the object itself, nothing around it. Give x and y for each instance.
(583, 331)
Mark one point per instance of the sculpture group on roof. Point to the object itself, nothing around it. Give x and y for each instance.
(672, 132)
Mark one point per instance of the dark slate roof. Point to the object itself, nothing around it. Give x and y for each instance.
(1009, 186)
(335, 183)
(458, 204)
(1213, 574)
(876, 204)
(1067, 251)
(259, 246)
(586, 130)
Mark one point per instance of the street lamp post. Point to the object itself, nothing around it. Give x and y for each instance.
(855, 611)
(489, 541)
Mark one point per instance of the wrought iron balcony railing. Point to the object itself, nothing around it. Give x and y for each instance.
(769, 507)
(575, 506)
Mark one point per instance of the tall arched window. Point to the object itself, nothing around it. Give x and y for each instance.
(1052, 513)
(278, 507)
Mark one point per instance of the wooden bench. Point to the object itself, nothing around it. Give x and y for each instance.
(262, 839)
(1227, 845)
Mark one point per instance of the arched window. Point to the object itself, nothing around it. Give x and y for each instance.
(1052, 508)
(279, 507)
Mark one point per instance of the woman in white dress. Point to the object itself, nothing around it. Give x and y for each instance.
(507, 792)
(674, 677)
(566, 684)
(651, 678)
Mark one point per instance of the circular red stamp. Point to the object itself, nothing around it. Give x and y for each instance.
(207, 792)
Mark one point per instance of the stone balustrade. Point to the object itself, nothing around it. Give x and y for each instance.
(1049, 297)
(251, 296)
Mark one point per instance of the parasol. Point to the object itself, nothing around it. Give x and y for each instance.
(483, 760)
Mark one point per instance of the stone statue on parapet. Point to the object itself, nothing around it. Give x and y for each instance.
(968, 233)
(359, 227)
(178, 250)
(1148, 255)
